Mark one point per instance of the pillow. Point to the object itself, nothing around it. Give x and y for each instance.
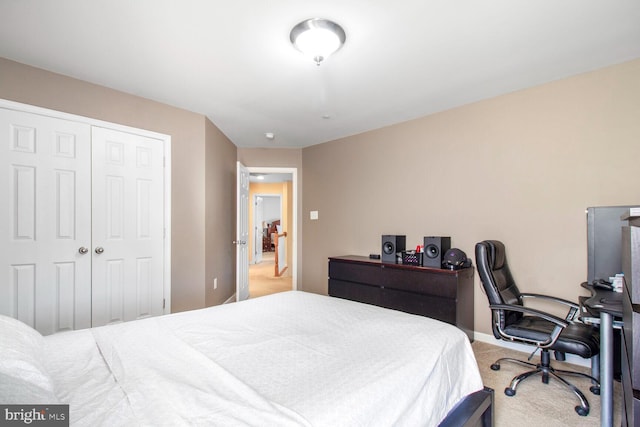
(17, 391)
(21, 350)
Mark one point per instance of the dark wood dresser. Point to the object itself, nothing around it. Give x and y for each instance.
(631, 317)
(441, 294)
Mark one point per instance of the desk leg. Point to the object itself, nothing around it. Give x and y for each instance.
(606, 369)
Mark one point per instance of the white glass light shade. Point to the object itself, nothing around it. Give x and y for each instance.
(317, 38)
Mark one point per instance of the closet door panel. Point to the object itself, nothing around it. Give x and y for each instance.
(45, 183)
(20, 296)
(128, 226)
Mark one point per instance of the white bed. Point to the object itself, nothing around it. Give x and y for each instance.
(286, 359)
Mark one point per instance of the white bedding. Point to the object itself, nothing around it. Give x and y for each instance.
(287, 359)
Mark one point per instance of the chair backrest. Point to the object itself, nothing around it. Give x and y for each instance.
(497, 281)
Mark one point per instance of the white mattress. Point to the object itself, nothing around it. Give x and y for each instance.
(287, 359)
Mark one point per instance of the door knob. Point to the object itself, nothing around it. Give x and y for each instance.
(99, 250)
(83, 250)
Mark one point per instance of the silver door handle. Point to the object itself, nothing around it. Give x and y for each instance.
(83, 250)
(99, 250)
(239, 242)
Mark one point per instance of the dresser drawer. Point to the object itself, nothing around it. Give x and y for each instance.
(422, 305)
(354, 291)
(357, 273)
(422, 282)
(440, 283)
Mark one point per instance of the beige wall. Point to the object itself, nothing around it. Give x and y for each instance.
(220, 216)
(33, 86)
(271, 157)
(520, 168)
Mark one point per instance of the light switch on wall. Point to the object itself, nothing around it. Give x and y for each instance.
(313, 215)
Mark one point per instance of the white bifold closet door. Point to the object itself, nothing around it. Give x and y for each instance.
(45, 221)
(128, 226)
(81, 223)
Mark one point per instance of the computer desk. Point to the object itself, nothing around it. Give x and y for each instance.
(602, 308)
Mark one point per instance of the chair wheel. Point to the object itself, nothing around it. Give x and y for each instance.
(595, 389)
(509, 391)
(583, 412)
(495, 367)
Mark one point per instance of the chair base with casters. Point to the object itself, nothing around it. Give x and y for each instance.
(546, 371)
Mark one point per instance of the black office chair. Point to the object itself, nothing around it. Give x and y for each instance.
(512, 321)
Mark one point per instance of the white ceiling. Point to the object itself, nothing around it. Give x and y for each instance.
(232, 60)
(269, 178)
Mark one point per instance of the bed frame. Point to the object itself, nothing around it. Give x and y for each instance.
(476, 410)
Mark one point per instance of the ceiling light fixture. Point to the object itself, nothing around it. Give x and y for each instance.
(318, 38)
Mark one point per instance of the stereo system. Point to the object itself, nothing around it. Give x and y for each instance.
(434, 249)
(391, 245)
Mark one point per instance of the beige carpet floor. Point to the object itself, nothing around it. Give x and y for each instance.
(262, 280)
(535, 403)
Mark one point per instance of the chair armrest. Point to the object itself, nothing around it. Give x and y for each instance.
(573, 310)
(560, 324)
(549, 297)
(532, 311)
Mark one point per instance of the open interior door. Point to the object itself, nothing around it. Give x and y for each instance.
(242, 233)
(258, 232)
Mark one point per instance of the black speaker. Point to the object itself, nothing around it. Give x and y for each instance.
(434, 249)
(392, 245)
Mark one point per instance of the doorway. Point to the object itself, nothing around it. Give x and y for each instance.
(275, 187)
(267, 213)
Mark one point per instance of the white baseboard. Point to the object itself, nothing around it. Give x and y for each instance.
(490, 339)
